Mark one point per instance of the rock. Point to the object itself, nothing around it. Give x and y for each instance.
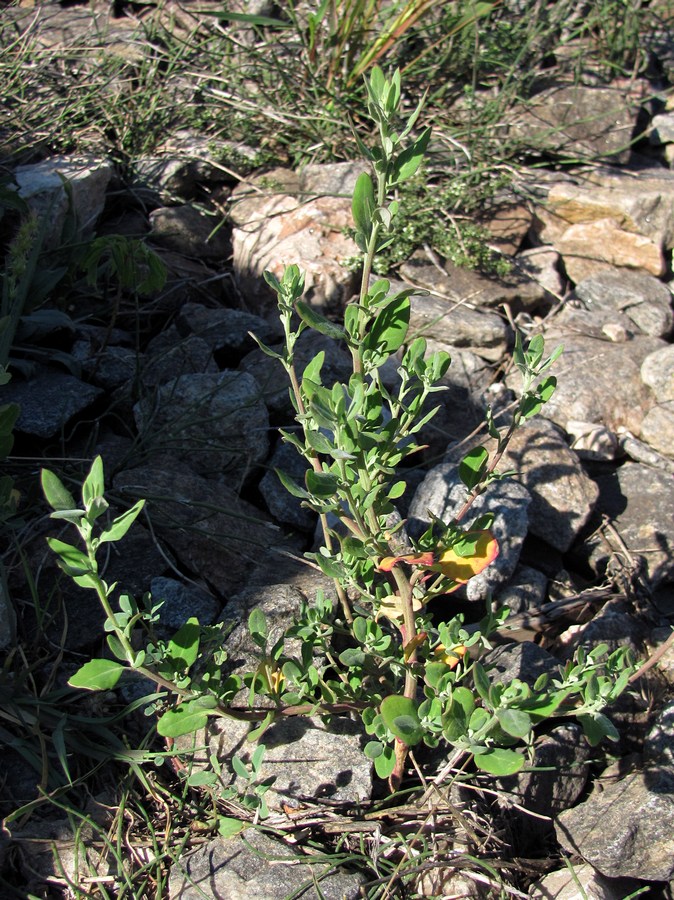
(592, 442)
(638, 203)
(276, 229)
(48, 401)
(169, 356)
(518, 289)
(109, 367)
(578, 120)
(309, 761)
(42, 187)
(657, 371)
(180, 601)
(453, 325)
(562, 495)
(217, 423)
(659, 743)
(662, 129)
(542, 264)
(657, 428)
(565, 755)
(626, 829)
(594, 248)
(254, 866)
(525, 591)
(186, 230)
(581, 882)
(614, 625)
(7, 619)
(280, 503)
(646, 301)
(442, 494)
(227, 331)
(598, 381)
(639, 502)
(526, 662)
(58, 849)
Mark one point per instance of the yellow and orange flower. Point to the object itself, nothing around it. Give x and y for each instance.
(458, 569)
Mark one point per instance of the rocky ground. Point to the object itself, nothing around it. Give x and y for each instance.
(184, 408)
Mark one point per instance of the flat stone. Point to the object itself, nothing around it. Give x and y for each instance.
(181, 601)
(48, 401)
(169, 356)
(227, 331)
(281, 504)
(218, 423)
(524, 661)
(254, 866)
(525, 591)
(626, 829)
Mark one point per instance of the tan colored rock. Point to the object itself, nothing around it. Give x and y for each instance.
(657, 428)
(584, 245)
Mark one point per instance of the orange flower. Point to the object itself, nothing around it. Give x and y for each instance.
(451, 657)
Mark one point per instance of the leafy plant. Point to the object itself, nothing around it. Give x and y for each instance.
(412, 679)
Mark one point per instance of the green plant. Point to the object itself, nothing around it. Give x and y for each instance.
(412, 679)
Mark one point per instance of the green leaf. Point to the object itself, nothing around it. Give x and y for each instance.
(321, 484)
(229, 827)
(184, 645)
(71, 560)
(291, 486)
(385, 763)
(401, 717)
(94, 485)
(119, 526)
(473, 466)
(183, 719)
(257, 626)
(514, 722)
(596, 727)
(363, 204)
(201, 779)
(389, 330)
(312, 372)
(245, 18)
(547, 388)
(481, 680)
(498, 761)
(97, 675)
(410, 159)
(373, 749)
(55, 492)
(318, 322)
(397, 490)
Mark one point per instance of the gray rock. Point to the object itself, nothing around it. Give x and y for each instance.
(614, 625)
(657, 371)
(459, 285)
(592, 442)
(453, 325)
(218, 423)
(227, 331)
(578, 120)
(254, 866)
(209, 528)
(564, 753)
(526, 661)
(598, 381)
(48, 401)
(525, 591)
(626, 829)
(109, 367)
(281, 504)
(662, 129)
(180, 601)
(169, 355)
(646, 301)
(442, 494)
(639, 501)
(188, 231)
(581, 882)
(41, 185)
(659, 743)
(562, 495)
(657, 428)
(309, 761)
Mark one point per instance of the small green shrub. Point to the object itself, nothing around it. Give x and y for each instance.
(411, 679)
